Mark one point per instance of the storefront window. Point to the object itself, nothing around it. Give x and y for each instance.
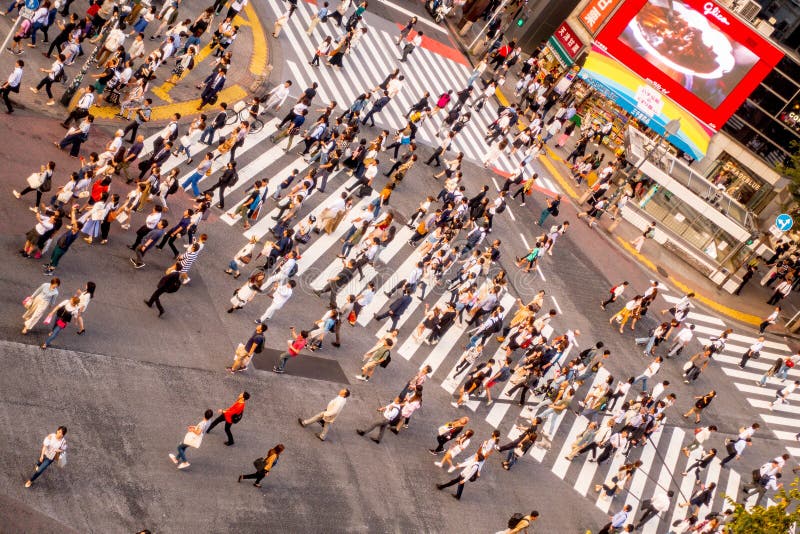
(738, 181)
(689, 225)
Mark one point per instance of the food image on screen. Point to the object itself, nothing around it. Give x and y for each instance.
(685, 45)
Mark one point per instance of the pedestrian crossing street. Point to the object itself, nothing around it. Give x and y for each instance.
(662, 460)
(374, 57)
(784, 420)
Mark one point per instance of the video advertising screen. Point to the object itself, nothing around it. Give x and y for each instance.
(697, 53)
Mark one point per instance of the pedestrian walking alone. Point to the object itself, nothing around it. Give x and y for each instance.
(264, 465)
(54, 449)
(328, 415)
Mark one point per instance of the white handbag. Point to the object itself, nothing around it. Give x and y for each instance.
(193, 440)
(35, 180)
(62, 460)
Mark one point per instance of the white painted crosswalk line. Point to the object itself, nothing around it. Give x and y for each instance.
(791, 422)
(750, 378)
(686, 486)
(636, 489)
(250, 171)
(412, 344)
(732, 487)
(668, 463)
(301, 79)
(252, 140)
(446, 344)
(765, 392)
(714, 471)
(380, 298)
(263, 226)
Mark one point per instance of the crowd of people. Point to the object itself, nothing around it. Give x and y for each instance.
(450, 237)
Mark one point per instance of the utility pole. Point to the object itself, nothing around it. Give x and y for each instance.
(66, 98)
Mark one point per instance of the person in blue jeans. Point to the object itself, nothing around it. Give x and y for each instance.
(195, 434)
(198, 174)
(63, 314)
(53, 447)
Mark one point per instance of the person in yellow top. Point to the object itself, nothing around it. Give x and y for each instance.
(264, 465)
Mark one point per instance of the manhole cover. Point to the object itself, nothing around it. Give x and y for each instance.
(661, 271)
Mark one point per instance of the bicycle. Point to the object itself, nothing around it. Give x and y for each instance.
(256, 124)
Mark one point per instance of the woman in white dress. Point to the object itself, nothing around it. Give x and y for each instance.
(36, 305)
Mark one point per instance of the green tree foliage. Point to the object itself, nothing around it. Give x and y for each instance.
(779, 518)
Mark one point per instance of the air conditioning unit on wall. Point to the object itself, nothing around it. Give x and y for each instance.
(747, 9)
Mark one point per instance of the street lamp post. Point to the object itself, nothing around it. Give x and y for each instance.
(66, 98)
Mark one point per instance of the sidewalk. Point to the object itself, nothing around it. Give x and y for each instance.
(748, 308)
(248, 69)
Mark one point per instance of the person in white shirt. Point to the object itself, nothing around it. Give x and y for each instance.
(652, 507)
(782, 396)
(411, 45)
(394, 86)
(771, 319)
(658, 389)
(54, 449)
(82, 108)
(363, 299)
(53, 72)
(281, 296)
(781, 291)
(277, 96)
(700, 436)
(649, 372)
(193, 438)
(767, 481)
(11, 85)
(616, 292)
(471, 471)
(390, 415)
(328, 415)
(681, 340)
(754, 351)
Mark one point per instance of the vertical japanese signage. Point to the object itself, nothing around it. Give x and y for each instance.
(568, 40)
(596, 12)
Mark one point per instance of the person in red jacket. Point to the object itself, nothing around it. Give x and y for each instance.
(231, 416)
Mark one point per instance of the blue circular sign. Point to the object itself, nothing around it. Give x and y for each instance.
(32, 4)
(784, 222)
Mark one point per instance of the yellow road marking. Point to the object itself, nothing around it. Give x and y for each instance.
(566, 186)
(186, 109)
(258, 61)
(711, 303)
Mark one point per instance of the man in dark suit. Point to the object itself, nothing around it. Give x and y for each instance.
(156, 158)
(377, 107)
(168, 284)
(213, 85)
(228, 178)
(396, 309)
(218, 123)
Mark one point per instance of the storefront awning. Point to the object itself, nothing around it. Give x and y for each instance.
(645, 103)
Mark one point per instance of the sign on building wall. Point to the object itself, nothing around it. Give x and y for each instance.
(568, 40)
(596, 12)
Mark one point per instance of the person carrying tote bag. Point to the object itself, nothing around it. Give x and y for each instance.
(193, 438)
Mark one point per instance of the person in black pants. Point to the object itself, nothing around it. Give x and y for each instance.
(377, 107)
(270, 460)
(530, 382)
(227, 179)
(169, 283)
(451, 431)
(231, 416)
(470, 472)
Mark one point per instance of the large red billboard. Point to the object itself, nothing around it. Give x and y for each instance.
(694, 51)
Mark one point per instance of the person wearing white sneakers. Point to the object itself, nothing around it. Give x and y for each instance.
(462, 442)
(54, 74)
(782, 395)
(54, 449)
(193, 438)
